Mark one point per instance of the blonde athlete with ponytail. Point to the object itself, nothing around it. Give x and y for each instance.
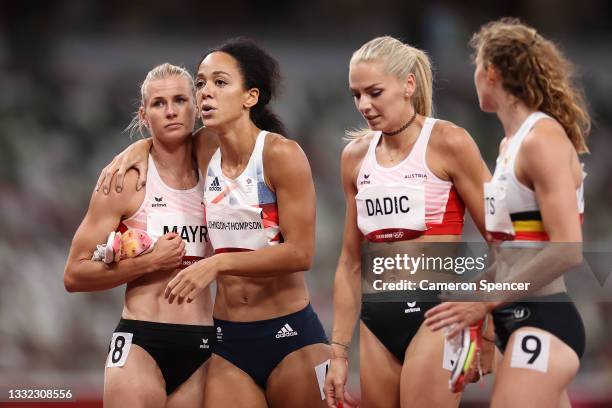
(158, 351)
(404, 153)
(530, 85)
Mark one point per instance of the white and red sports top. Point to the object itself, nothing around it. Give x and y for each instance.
(511, 208)
(241, 213)
(165, 209)
(407, 200)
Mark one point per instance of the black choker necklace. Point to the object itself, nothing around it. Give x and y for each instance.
(400, 130)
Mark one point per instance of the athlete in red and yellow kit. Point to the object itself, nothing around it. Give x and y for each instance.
(534, 204)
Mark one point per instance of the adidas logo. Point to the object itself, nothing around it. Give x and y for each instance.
(365, 180)
(366, 176)
(204, 344)
(412, 308)
(286, 331)
(158, 202)
(215, 186)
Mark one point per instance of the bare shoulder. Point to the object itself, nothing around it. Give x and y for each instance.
(353, 155)
(284, 162)
(545, 145)
(124, 203)
(546, 151)
(357, 148)
(546, 135)
(278, 147)
(446, 137)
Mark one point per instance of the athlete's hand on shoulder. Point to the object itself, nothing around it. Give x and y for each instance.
(336, 394)
(168, 252)
(455, 315)
(135, 156)
(192, 280)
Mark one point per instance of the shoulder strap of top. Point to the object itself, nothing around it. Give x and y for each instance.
(524, 130)
(153, 180)
(153, 177)
(214, 165)
(420, 146)
(371, 153)
(259, 145)
(255, 167)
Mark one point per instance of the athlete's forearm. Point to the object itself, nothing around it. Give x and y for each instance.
(488, 274)
(491, 306)
(277, 260)
(549, 264)
(139, 150)
(87, 276)
(347, 301)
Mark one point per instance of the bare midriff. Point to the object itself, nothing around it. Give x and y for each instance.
(144, 300)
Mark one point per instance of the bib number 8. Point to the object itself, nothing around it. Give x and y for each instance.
(119, 349)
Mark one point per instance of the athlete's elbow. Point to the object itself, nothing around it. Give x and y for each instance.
(570, 254)
(303, 259)
(575, 256)
(71, 283)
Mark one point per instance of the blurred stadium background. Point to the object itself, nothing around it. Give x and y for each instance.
(69, 78)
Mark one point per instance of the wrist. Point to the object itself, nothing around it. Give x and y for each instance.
(140, 265)
(221, 263)
(490, 306)
(151, 264)
(340, 349)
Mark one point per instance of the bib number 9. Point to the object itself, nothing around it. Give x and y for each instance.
(531, 350)
(535, 351)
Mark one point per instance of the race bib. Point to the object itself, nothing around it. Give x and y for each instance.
(580, 192)
(452, 347)
(391, 213)
(119, 349)
(235, 227)
(189, 226)
(531, 350)
(497, 216)
(321, 372)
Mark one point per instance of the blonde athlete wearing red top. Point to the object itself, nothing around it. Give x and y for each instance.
(440, 168)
